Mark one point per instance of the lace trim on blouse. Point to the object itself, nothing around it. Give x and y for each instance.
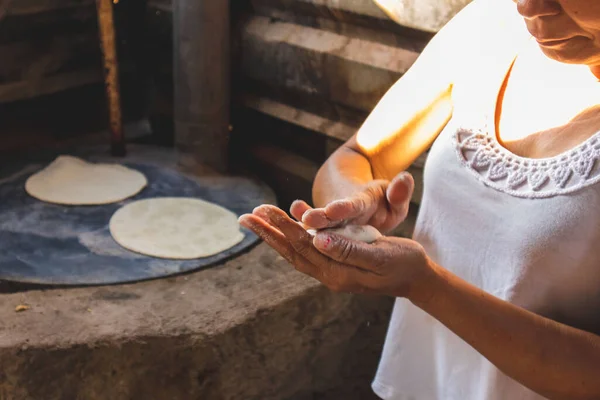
(502, 170)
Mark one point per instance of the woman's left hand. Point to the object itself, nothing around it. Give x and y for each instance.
(390, 266)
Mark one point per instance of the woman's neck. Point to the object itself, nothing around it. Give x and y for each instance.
(545, 106)
(562, 76)
(596, 71)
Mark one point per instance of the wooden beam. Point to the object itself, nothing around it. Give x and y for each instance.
(350, 71)
(286, 161)
(4, 6)
(333, 129)
(333, 8)
(427, 15)
(30, 7)
(384, 32)
(288, 174)
(35, 58)
(201, 54)
(359, 19)
(33, 88)
(106, 24)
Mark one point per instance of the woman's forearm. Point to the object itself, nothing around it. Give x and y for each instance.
(344, 173)
(399, 129)
(554, 360)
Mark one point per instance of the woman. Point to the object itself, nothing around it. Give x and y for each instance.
(499, 292)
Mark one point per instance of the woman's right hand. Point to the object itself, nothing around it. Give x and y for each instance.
(380, 203)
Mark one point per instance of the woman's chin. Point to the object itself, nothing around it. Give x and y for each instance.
(578, 50)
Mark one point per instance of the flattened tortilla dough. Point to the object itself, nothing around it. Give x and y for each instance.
(175, 228)
(72, 181)
(361, 233)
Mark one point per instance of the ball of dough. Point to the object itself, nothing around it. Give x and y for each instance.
(361, 233)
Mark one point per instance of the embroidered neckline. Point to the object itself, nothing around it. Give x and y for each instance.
(502, 170)
(497, 167)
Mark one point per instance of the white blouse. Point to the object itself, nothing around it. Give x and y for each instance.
(524, 230)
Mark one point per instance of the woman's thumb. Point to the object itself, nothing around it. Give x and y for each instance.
(400, 190)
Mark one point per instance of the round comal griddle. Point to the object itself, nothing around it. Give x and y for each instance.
(71, 245)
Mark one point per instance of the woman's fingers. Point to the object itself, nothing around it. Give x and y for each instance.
(340, 211)
(367, 257)
(317, 219)
(334, 275)
(399, 193)
(279, 219)
(269, 235)
(380, 219)
(361, 206)
(298, 237)
(277, 240)
(351, 208)
(299, 208)
(294, 233)
(296, 245)
(343, 265)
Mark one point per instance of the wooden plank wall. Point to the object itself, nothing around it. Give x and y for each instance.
(47, 46)
(51, 70)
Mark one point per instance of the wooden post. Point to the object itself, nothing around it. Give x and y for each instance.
(201, 62)
(106, 26)
(4, 6)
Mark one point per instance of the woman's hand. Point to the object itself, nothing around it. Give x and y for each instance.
(381, 203)
(390, 266)
(502, 332)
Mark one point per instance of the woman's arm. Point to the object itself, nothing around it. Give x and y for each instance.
(552, 359)
(396, 125)
(401, 127)
(412, 113)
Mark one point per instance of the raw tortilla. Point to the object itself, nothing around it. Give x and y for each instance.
(361, 233)
(72, 181)
(175, 228)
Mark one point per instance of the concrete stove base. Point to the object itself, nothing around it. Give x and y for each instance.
(253, 328)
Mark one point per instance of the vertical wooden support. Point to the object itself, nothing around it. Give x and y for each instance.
(106, 25)
(201, 60)
(4, 6)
